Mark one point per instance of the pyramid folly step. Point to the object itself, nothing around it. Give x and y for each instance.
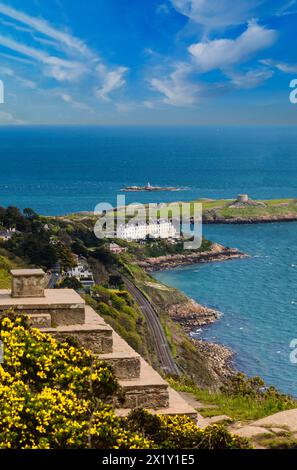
(176, 406)
(94, 335)
(40, 320)
(147, 391)
(124, 360)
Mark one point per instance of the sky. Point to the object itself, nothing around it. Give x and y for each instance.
(148, 62)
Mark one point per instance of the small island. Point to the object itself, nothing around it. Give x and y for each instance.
(149, 187)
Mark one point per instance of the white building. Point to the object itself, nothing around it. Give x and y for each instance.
(115, 248)
(7, 234)
(155, 229)
(82, 272)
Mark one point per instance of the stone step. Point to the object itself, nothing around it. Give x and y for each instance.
(147, 391)
(94, 335)
(124, 366)
(176, 406)
(124, 360)
(40, 320)
(65, 306)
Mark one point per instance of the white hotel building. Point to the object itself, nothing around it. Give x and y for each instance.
(156, 229)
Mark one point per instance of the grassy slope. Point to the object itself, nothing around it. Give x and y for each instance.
(238, 407)
(7, 262)
(273, 208)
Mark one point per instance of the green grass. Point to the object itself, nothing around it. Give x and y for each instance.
(6, 264)
(243, 408)
(5, 279)
(273, 208)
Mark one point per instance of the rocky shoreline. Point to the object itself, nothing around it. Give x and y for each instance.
(220, 359)
(263, 219)
(217, 253)
(191, 316)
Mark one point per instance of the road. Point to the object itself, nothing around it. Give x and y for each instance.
(161, 345)
(54, 277)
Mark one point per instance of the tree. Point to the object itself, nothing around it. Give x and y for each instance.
(71, 283)
(115, 280)
(65, 256)
(30, 214)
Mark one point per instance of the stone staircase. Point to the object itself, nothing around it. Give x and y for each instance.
(141, 385)
(63, 314)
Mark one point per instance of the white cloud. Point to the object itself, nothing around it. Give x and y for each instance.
(67, 98)
(163, 9)
(45, 28)
(149, 104)
(223, 53)
(285, 10)
(217, 13)
(60, 69)
(8, 118)
(178, 90)
(109, 81)
(8, 72)
(282, 66)
(73, 62)
(249, 79)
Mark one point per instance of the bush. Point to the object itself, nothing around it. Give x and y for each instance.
(180, 432)
(53, 395)
(254, 387)
(71, 283)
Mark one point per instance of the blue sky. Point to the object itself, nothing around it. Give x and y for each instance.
(148, 61)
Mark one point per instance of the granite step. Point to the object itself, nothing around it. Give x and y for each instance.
(40, 320)
(125, 366)
(124, 360)
(94, 334)
(149, 390)
(176, 406)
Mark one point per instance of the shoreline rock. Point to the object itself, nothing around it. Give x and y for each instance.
(263, 219)
(191, 315)
(217, 253)
(219, 357)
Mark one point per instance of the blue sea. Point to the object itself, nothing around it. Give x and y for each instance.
(66, 169)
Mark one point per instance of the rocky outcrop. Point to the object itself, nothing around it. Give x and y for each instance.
(191, 315)
(211, 218)
(218, 357)
(217, 253)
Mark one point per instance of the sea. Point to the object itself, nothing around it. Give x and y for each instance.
(60, 170)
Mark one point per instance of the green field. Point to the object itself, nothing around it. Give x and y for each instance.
(211, 208)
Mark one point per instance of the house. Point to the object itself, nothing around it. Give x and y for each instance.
(154, 229)
(82, 273)
(115, 248)
(7, 234)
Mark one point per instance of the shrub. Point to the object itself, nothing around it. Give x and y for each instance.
(53, 396)
(50, 394)
(180, 432)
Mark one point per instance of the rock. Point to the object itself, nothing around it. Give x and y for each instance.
(278, 430)
(217, 253)
(286, 419)
(250, 431)
(190, 314)
(219, 358)
(219, 419)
